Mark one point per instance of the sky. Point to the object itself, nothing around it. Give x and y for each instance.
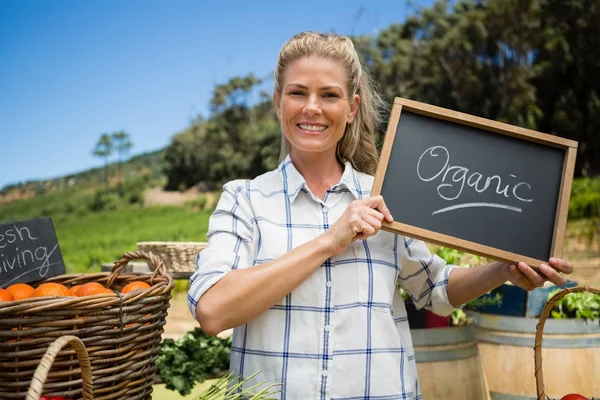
(71, 70)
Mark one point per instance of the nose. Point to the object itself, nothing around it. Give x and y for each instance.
(312, 106)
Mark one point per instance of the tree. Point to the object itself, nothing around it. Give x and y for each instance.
(104, 150)
(122, 144)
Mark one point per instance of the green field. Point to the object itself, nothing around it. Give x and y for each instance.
(91, 240)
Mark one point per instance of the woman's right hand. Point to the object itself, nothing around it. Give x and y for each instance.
(362, 219)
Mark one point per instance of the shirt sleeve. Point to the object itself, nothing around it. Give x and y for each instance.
(425, 277)
(230, 232)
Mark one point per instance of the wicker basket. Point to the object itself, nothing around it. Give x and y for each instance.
(122, 334)
(36, 389)
(539, 374)
(179, 257)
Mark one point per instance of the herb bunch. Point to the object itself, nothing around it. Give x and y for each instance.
(192, 359)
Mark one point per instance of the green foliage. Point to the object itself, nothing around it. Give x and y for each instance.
(189, 360)
(239, 141)
(528, 63)
(457, 257)
(122, 144)
(451, 256)
(585, 198)
(459, 317)
(584, 305)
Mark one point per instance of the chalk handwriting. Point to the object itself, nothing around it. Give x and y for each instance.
(20, 252)
(454, 178)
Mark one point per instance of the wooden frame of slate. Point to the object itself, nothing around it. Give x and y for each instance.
(477, 185)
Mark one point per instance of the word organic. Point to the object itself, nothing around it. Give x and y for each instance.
(454, 178)
(23, 252)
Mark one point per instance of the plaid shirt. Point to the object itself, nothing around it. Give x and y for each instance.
(343, 333)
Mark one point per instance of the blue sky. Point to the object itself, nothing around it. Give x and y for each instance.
(72, 70)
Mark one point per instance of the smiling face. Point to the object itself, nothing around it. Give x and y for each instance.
(314, 105)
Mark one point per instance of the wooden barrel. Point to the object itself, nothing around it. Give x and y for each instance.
(570, 353)
(448, 364)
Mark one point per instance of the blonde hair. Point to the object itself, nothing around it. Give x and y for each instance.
(358, 142)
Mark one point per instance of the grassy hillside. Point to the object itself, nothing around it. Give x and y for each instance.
(88, 242)
(96, 221)
(147, 164)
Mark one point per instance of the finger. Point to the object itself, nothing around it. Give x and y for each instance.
(373, 213)
(363, 231)
(378, 203)
(520, 279)
(385, 211)
(533, 277)
(372, 220)
(561, 265)
(553, 275)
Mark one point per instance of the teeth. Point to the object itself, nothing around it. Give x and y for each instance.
(312, 127)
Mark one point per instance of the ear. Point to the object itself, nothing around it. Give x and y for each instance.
(353, 108)
(276, 100)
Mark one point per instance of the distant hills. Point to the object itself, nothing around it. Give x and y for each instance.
(149, 164)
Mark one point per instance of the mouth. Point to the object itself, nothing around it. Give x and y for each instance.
(312, 128)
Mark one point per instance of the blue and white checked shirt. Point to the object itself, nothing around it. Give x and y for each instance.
(343, 333)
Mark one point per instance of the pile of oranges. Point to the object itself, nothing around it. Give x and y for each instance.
(20, 291)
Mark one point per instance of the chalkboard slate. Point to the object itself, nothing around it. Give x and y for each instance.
(474, 184)
(29, 252)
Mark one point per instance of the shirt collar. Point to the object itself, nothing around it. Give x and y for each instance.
(293, 181)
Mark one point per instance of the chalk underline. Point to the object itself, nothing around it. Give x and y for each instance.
(30, 271)
(469, 205)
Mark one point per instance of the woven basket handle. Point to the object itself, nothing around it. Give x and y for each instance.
(539, 330)
(41, 373)
(157, 263)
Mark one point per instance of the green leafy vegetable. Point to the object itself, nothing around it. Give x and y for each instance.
(584, 305)
(191, 359)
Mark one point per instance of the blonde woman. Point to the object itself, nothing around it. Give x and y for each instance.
(297, 263)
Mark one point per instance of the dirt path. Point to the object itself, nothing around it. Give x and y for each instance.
(155, 197)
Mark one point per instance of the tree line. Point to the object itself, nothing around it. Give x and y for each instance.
(530, 63)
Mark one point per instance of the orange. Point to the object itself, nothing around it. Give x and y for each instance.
(20, 290)
(51, 289)
(94, 291)
(89, 288)
(5, 295)
(75, 288)
(134, 286)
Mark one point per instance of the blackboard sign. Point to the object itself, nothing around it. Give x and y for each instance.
(29, 252)
(474, 184)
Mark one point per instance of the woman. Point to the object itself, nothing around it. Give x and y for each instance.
(296, 261)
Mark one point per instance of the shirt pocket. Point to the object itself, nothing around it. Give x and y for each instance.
(376, 274)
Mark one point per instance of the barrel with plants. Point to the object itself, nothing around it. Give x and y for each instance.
(118, 317)
(571, 354)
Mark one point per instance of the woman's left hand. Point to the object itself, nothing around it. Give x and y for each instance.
(524, 276)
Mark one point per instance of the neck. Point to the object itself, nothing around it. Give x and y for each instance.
(320, 171)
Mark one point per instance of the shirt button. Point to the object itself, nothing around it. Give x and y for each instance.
(329, 284)
(325, 209)
(327, 328)
(325, 373)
